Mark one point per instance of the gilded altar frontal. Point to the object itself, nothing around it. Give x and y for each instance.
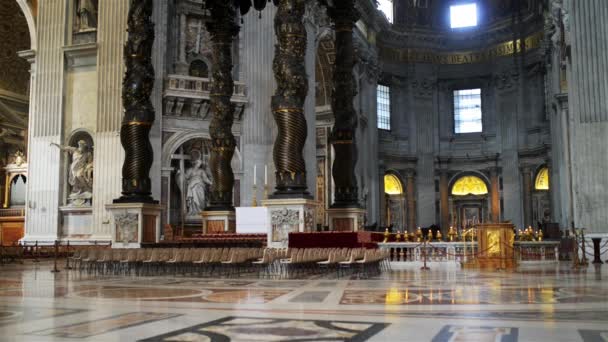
(303, 170)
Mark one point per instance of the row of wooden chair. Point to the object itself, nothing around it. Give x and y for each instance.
(265, 262)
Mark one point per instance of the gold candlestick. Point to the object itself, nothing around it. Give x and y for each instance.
(254, 202)
(266, 192)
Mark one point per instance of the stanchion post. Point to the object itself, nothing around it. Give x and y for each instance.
(596, 250)
(67, 257)
(424, 267)
(55, 269)
(35, 253)
(584, 261)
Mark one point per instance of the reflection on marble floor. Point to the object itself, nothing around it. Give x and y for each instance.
(450, 333)
(444, 304)
(14, 314)
(104, 325)
(272, 329)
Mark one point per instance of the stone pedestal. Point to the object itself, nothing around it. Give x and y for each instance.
(346, 219)
(216, 222)
(288, 215)
(134, 224)
(77, 222)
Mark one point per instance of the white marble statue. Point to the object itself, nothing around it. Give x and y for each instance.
(196, 181)
(81, 173)
(86, 14)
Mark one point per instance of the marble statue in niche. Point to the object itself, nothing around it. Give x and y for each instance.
(86, 15)
(197, 181)
(80, 175)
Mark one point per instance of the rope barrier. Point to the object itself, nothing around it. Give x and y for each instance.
(472, 253)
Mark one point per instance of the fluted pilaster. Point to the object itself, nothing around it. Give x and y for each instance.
(45, 123)
(588, 105)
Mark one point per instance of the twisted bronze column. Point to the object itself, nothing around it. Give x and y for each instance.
(139, 112)
(344, 15)
(288, 101)
(222, 27)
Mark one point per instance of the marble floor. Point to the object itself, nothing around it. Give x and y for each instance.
(549, 303)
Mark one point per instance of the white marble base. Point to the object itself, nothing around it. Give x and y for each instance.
(217, 222)
(252, 220)
(287, 216)
(77, 222)
(346, 219)
(134, 224)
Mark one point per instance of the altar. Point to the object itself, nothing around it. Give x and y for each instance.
(496, 249)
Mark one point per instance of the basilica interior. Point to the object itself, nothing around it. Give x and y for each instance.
(306, 170)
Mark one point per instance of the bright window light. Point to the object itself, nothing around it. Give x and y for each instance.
(384, 107)
(467, 111)
(463, 15)
(386, 6)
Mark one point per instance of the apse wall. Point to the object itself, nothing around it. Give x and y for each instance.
(423, 68)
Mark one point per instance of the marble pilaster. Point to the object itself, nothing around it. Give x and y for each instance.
(45, 124)
(589, 110)
(444, 204)
(257, 40)
(112, 24)
(410, 180)
(494, 195)
(526, 174)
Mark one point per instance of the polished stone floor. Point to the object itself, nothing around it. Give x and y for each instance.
(549, 303)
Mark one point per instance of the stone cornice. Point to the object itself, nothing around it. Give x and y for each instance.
(415, 37)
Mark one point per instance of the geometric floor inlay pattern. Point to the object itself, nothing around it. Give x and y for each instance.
(451, 333)
(594, 335)
(273, 329)
(104, 325)
(11, 315)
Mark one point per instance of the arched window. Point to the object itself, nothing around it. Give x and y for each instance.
(392, 185)
(198, 68)
(542, 179)
(469, 185)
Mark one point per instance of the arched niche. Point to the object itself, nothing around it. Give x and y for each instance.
(469, 185)
(198, 68)
(395, 208)
(187, 179)
(541, 201)
(79, 156)
(541, 181)
(468, 200)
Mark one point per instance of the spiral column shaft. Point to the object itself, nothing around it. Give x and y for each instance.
(139, 112)
(222, 27)
(344, 15)
(288, 101)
